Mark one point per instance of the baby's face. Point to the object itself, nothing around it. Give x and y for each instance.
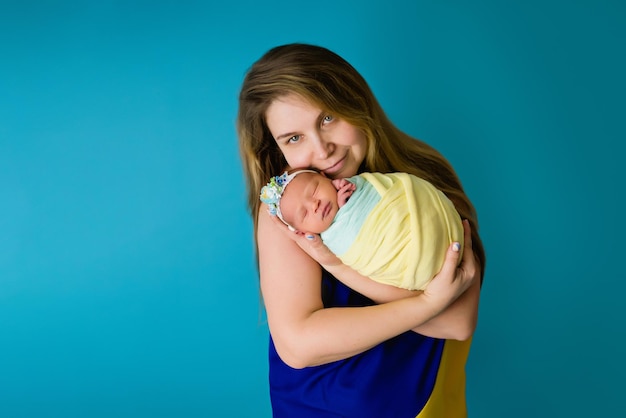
(309, 203)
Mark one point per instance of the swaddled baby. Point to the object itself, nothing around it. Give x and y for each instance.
(394, 228)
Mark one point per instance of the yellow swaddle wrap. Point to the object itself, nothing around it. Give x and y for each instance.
(404, 238)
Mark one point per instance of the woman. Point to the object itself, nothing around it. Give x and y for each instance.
(341, 344)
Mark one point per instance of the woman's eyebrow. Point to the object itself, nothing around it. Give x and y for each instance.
(318, 120)
(284, 136)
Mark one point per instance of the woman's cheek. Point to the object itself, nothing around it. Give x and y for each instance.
(295, 160)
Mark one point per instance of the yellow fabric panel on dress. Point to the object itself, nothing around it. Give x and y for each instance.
(448, 396)
(404, 239)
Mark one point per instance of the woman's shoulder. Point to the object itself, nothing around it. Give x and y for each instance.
(271, 240)
(280, 257)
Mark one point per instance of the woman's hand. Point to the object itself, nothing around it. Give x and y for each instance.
(458, 320)
(453, 279)
(312, 244)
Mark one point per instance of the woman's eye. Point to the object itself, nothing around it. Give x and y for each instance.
(327, 119)
(293, 139)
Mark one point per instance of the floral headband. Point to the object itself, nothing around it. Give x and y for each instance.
(273, 191)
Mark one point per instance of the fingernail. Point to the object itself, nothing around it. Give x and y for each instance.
(309, 237)
(456, 247)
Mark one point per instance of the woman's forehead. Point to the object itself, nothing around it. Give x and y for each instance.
(289, 115)
(291, 103)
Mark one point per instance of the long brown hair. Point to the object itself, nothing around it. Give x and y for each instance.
(330, 82)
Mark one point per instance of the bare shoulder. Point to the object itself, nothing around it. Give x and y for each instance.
(290, 279)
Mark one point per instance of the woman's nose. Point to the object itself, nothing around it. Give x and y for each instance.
(324, 149)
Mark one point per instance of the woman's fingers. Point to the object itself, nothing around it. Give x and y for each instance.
(453, 279)
(468, 265)
(315, 247)
(467, 233)
(451, 262)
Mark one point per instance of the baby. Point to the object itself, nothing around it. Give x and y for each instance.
(394, 228)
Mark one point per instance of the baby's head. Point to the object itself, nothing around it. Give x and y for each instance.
(309, 204)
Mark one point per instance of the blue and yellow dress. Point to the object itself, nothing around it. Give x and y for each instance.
(408, 376)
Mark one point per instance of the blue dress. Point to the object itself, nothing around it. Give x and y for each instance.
(407, 376)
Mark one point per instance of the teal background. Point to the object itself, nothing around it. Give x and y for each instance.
(127, 278)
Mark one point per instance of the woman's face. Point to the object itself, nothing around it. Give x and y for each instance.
(310, 137)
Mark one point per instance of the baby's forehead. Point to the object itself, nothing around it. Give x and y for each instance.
(298, 183)
(305, 177)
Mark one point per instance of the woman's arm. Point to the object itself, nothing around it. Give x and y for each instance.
(457, 321)
(305, 333)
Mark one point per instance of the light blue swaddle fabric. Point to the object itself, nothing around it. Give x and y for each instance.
(350, 217)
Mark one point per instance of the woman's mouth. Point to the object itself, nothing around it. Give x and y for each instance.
(335, 168)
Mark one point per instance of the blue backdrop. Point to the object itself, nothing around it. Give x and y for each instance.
(127, 278)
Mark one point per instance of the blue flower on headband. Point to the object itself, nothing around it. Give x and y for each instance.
(282, 180)
(272, 192)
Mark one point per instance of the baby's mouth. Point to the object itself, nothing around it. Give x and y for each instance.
(326, 211)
